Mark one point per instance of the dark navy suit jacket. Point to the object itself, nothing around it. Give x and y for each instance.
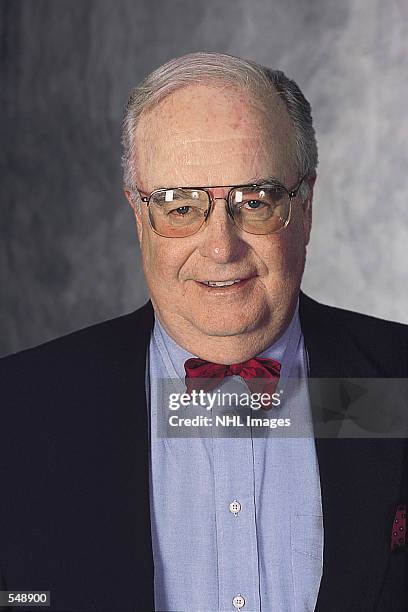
(74, 457)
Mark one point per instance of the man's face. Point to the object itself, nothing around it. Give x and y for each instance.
(206, 135)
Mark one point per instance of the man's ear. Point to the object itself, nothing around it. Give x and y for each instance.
(307, 208)
(136, 210)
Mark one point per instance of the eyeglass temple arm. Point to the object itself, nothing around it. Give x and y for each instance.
(293, 192)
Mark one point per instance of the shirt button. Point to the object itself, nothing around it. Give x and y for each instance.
(235, 507)
(238, 602)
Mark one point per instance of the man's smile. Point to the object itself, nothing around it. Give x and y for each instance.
(227, 286)
(221, 283)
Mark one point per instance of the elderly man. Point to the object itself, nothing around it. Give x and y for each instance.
(98, 508)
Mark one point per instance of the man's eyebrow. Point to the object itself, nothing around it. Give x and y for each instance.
(257, 180)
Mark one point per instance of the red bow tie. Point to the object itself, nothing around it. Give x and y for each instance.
(251, 371)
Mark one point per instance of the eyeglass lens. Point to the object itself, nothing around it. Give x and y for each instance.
(181, 212)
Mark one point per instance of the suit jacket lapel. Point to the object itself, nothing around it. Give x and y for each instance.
(135, 449)
(360, 478)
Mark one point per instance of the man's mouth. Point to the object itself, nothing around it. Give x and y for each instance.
(225, 283)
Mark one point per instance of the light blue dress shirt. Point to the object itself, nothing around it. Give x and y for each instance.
(236, 522)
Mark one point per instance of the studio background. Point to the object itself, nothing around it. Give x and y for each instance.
(69, 253)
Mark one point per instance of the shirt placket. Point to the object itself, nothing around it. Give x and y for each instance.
(237, 560)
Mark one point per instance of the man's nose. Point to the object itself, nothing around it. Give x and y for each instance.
(221, 240)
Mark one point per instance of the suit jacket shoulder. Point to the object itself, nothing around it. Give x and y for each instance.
(345, 344)
(112, 337)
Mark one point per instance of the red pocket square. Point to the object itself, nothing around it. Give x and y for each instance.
(399, 528)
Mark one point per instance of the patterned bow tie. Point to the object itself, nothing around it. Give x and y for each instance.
(260, 374)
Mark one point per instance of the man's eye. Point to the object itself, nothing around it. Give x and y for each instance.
(180, 211)
(254, 204)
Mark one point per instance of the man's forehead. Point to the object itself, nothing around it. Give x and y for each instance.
(229, 166)
(199, 108)
(216, 147)
(193, 147)
(186, 132)
(197, 144)
(185, 139)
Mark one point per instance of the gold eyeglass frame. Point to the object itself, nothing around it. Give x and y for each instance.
(292, 193)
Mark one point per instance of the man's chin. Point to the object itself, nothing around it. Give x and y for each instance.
(224, 333)
(224, 328)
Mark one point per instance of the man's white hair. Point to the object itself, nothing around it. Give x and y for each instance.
(209, 67)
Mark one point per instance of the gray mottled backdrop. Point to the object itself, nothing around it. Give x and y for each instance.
(69, 254)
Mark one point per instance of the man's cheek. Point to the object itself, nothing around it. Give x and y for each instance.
(150, 264)
(160, 266)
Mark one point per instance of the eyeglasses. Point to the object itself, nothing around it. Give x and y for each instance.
(179, 212)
